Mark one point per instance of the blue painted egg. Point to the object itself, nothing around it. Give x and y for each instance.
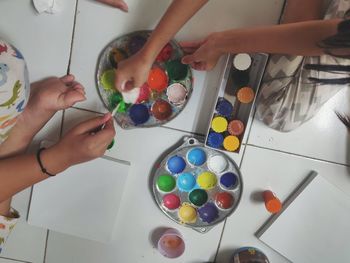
(139, 113)
(196, 156)
(176, 164)
(186, 182)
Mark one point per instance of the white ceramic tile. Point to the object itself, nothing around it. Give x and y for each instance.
(264, 169)
(323, 137)
(5, 260)
(139, 216)
(44, 40)
(92, 35)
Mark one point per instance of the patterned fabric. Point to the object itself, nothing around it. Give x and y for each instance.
(287, 98)
(14, 87)
(6, 226)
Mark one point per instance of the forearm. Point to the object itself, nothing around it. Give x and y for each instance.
(311, 10)
(20, 172)
(289, 39)
(178, 13)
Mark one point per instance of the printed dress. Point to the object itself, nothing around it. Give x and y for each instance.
(14, 94)
(287, 97)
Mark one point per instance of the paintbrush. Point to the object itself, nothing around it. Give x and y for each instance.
(112, 115)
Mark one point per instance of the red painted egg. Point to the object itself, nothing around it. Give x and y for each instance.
(224, 200)
(171, 201)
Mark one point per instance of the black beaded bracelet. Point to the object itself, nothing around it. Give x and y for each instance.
(43, 169)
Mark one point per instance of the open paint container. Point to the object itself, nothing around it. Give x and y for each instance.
(239, 85)
(196, 186)
(156, 102)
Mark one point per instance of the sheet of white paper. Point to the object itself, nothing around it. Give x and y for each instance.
(82, 201)
(48, 6)
(315, 227)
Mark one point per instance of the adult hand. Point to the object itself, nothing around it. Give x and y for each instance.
(201, 55)
(120, 4)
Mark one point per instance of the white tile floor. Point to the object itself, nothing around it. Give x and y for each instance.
(270, 160)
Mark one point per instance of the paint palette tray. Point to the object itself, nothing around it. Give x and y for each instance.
(157, 101)
(239, 85)
(196, 186)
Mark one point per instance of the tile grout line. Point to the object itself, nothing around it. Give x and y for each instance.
(73, 35)
(223, 228)
(63, 112)
(46, 245)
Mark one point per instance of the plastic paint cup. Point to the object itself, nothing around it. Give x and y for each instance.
(171, 244)
(272, 203)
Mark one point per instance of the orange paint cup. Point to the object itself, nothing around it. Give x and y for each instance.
(272, 203)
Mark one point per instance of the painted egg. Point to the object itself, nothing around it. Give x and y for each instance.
(107, 80)
(224, 200)
(176, 164)
(215, 140)
(165, 53)
(186, 182)
(171, 201)
(139, 113)
(110, 146)
(196, 157)
(157, 79)
(187, 213)
(161, 109)
(217, 163)
(116, 56)
(198, 197)
(176, 70)
(144, 93)
(208, 213)
(166, 183)
(228, 180)
(135, 44)
(206, 180)
(176, 93)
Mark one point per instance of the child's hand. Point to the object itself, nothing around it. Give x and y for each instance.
(54, 94)
(202, 55)
(132, 72)
(46, 98)
(83, 143)
(120, 4)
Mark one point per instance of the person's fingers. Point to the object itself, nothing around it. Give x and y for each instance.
(92, 124)
(120, 4)
(105, 136)
(189, 50)
(191, 44)
(80, 90)
(71, 97)
(67, 78)
(119, 81)
(189, 59)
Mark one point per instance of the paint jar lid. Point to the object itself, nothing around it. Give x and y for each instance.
(231, 143)
(245, 95)
(171, 244)
(235, 127)
(224, 107)
(219, 124)
(215, 140)
(242, 61)
(272, 203)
